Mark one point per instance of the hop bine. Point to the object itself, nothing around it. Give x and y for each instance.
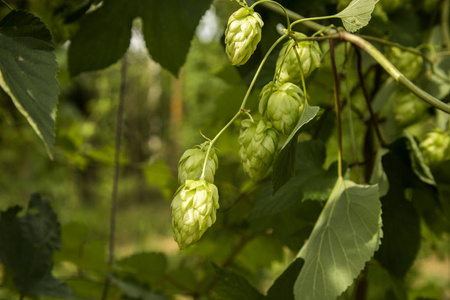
(191, 164)
(242, 35)
(288, 64)
(193, 211)
(258, 146)
(282, 104)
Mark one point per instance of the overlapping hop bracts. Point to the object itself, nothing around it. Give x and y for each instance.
(288, 64)
(408, 109)
(282, 104)
(193, 211)
(258, 146)
(191, 164)
(436, 147)
(242, 35)
(407, 63)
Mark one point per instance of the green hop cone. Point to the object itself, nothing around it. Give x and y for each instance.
(242, 35)
(436, 147)
(408, 63)
(288, 64)
(191, 164)
(258, 146)
(193, 211)
(282, 104)
(408, 109)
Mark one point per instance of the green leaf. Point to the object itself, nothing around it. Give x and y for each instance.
(379, 176)
(169, 27)
(283, 287)
(357, 14)
(344, 238)
(28, 71)
(28, 243)
(103, 37)
(309, 112)
(159, 175)
(284, 166)
(311, 181)
(231, 286)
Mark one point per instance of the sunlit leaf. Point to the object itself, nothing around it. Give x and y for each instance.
(344, 238)
(28, 71)
(357, 14)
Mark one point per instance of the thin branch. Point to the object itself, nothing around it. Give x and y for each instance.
(118, 142)
(373, 117)
(4, 2)
(445, 23)
(338, 105)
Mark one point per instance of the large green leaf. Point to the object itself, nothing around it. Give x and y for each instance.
(28, 71)
(145, 265)
(344, 238)
(169, 26)
(104, 35)
(28, 243)
(357, 14)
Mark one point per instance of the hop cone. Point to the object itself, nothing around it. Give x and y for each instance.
(436, 147)
(242, 35)
(193, 211)
(282, 105)
(408, 63)
(408, 109)
(258, 145)
(288, 64)
(191, 164)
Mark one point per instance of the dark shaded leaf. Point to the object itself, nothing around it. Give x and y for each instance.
(284, 166)
(169, 27)
(283, 287)
(231, 286)
(28, 71)
(311, 181)
(28, 243)
(103, 37)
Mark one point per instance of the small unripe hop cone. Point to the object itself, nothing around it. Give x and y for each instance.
(288, 64)
(193, 211)
(258, 146)
(436, 147)
(191, 164)
(242, 35)
(282, 105)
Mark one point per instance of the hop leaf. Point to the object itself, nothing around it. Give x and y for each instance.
(288, 64)
(191, 164)
(242, 35)
(436, 147)
(282, 105)
(193, 211)
(258, 146)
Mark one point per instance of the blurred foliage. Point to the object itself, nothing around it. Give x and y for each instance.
(250, 251)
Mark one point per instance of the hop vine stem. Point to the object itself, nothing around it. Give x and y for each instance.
(372, 51)
(244, 101)
(118, 142)
(338, 105)
(4, 2)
